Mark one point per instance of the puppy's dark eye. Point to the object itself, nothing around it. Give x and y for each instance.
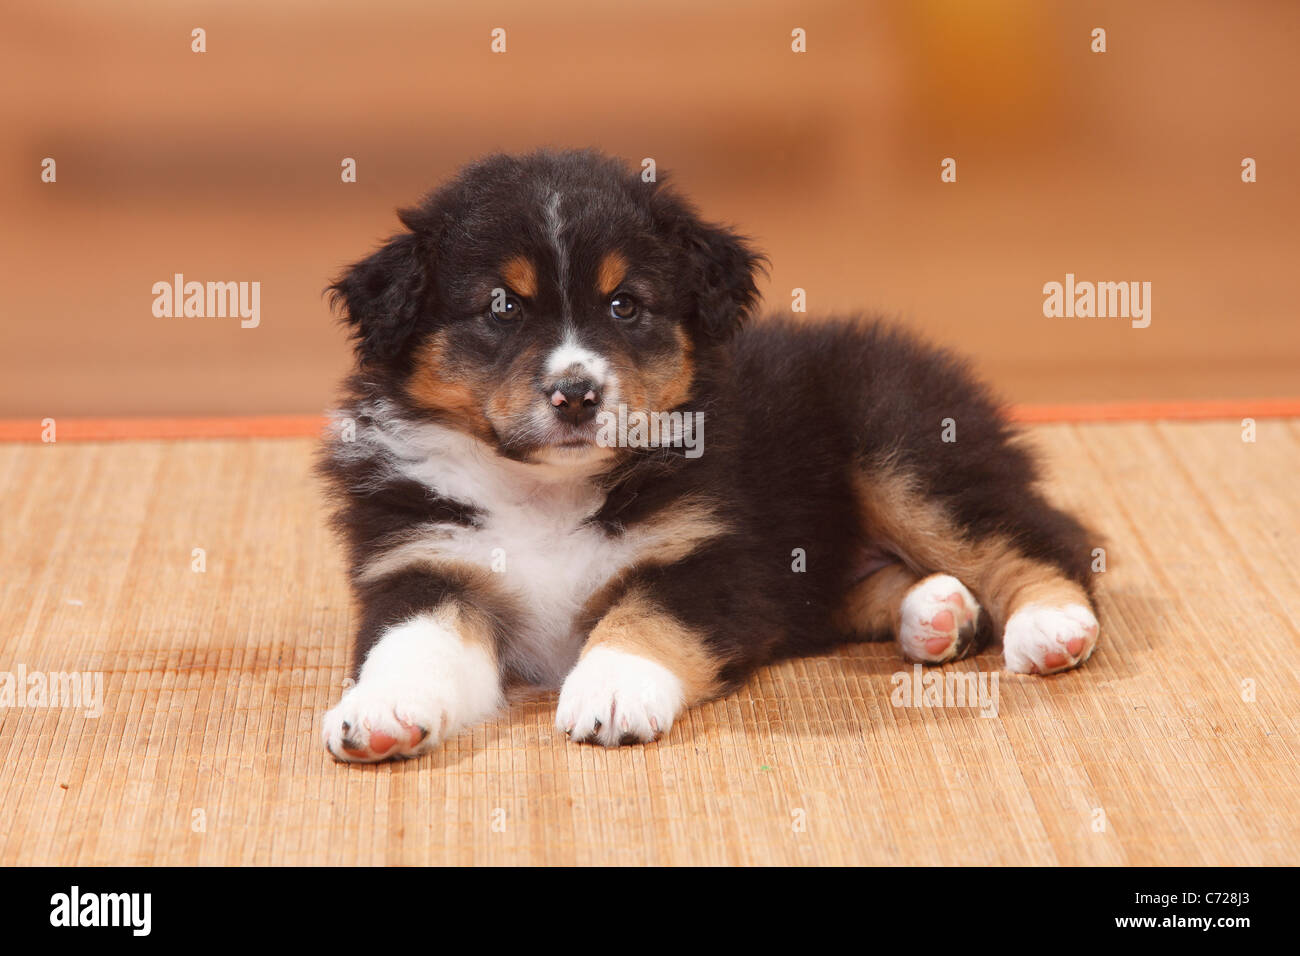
(624, 307)
(505, 308)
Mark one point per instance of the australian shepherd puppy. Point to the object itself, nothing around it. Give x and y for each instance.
(565, 460)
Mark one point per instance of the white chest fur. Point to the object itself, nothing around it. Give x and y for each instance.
(533, 533)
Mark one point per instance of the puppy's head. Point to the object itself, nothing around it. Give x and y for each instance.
(532, 293)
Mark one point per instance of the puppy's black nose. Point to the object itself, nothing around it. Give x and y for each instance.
(575, 400)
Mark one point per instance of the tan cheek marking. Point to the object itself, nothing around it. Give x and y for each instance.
(920, 531)
(515, 397)
(633, 392)
(636, 625)
(678, 388)
(433, 388)
(661, 390)
(613, 269)
(521, 275)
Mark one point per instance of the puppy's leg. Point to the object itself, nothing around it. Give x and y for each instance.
(871, 609)
(423, 677)
(1050, 622)
(934, 619)
(639, 668)
(1025, 563)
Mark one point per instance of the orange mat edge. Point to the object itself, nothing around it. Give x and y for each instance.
(306, 426)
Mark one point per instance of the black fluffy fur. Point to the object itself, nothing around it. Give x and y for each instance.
(793, 412)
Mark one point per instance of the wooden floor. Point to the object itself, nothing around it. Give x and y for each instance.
(1177, 743)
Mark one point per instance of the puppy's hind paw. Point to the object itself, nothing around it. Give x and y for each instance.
(1041, 639)
(939, 618)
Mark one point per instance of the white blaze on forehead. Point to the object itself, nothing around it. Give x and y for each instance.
(571, 354)
(554, 229)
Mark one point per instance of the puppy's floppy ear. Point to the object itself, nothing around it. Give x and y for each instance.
(721, 265)
(724, 267)
(384, 296)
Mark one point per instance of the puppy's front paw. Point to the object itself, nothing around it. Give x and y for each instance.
(613, 697)
(1041, 639)
(420, 683)
(939, 617)
(373, 722)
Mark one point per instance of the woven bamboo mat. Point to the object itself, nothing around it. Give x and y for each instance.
(1177, 743)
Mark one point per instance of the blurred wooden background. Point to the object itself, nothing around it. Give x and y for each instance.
(225, 166)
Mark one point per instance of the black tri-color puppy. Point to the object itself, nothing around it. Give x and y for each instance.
(566, 460)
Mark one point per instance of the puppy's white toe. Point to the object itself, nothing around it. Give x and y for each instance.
(420, 683)
(613, 697)
(376, 722)
(1042, 639)
(939, 617)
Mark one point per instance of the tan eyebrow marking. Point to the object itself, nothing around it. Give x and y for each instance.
(612, 270)
(520, 275)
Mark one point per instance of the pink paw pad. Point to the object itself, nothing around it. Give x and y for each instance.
(1044, 639)
(937, 645)
(382, 735)
(943, 621)
(937, 619)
